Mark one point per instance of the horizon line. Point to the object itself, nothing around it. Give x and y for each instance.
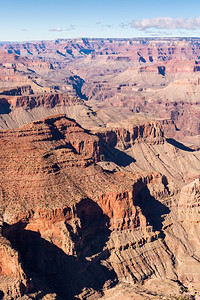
(102, 38)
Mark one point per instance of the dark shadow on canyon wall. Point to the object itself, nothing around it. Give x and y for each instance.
(4, 106)
(77, 82)
(113, 154)
(179, 145)
(1, 295)
(151, 208)
(52, 269)
(121, 158)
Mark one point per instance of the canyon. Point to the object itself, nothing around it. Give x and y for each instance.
(100, 169)
(156, 77)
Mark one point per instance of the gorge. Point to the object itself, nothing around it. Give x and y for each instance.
(100, 169)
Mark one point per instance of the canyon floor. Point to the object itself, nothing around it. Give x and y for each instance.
(100, 169)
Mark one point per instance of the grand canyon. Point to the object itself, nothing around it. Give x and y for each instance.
(100, 169)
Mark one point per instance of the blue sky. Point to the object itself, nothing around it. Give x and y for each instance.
(46, 19)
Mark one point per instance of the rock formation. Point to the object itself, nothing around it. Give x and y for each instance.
(97, 196)
(158, 77)
(72, 228)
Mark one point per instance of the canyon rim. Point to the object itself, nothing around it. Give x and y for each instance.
(100, 169)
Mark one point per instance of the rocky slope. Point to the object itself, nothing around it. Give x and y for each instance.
(141, 49)
(72, 229)
(106, 203)
(145, 148)
(158, 77)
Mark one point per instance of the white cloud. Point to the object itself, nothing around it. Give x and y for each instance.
(55, 29)
(167, 23)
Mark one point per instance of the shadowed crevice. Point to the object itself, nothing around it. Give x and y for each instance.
(66, 275)
(151, 208)
(113, 154)
(179, 145)
(4, 106)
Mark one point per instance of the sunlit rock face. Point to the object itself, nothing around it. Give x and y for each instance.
(64, 216)
(97, 195)
(156, 77)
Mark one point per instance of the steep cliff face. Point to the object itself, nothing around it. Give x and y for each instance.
(78, 229)
(156, 77)
(13, 280)
(140, 145)
(151, 133)
(140, 50)
(49, 101)
(104, 241)
(185, 66)
(182, 235)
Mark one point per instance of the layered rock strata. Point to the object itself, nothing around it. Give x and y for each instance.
(156, 77)
(72, 229)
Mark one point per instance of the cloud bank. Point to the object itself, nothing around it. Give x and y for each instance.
(167, 23)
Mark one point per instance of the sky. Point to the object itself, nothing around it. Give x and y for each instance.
(28, 20)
